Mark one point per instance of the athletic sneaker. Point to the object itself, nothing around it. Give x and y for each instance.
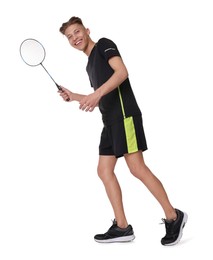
(116, 234)
(174, 229)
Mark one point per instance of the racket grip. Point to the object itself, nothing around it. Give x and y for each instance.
(59, 88)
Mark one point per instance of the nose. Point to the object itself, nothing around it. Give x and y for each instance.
(74, 37)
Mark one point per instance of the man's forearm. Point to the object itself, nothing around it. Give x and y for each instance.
(77, 97)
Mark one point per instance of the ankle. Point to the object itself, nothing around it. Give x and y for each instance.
(172, 215)
(122, 224)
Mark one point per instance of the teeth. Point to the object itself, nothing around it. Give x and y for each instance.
(78, 42)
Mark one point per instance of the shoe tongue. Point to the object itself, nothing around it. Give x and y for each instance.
(114, 222)
(169, 221)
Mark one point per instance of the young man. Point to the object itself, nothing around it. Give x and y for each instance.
(122, 133)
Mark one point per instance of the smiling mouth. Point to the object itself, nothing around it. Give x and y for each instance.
(78, 42)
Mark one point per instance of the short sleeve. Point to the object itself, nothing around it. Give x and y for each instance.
(107, 48)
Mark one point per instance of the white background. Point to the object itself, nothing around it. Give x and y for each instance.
(51, 201)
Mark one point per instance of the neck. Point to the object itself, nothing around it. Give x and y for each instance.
(89, 47)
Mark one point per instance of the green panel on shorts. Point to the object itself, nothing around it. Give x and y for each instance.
(129, 127)
(131, 140)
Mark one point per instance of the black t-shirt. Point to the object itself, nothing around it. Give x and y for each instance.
(99, 71)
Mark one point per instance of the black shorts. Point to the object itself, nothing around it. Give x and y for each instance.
(125, 136)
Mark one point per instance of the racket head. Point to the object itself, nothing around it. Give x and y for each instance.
(32, 52)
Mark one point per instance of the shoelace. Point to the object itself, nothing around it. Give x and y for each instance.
(168, 226)
(114, 222)
(163, 221)
(166, 221)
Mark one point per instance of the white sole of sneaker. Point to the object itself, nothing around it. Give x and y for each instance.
(185, 218)
(117, 239)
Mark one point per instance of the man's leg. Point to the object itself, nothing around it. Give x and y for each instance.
(120, 231)
(106, 173)
(175, 218)
(139, 169)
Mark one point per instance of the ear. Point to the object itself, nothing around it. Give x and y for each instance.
(88, 31)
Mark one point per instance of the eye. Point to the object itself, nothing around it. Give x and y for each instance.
(77, 31)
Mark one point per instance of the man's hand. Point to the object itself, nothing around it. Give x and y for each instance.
(89, 102)
(65, 94)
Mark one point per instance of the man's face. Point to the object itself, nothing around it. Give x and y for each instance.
(78, 36)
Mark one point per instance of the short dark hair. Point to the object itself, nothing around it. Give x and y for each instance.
(71, 21)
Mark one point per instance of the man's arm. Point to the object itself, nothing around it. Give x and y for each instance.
(67, 94)
(119, 75)
(89, 102)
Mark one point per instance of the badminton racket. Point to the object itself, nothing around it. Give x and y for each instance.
(33, 54)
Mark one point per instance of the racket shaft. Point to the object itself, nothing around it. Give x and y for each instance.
(59, 87)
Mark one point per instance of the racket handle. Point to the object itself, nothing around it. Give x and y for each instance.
(59, 88)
